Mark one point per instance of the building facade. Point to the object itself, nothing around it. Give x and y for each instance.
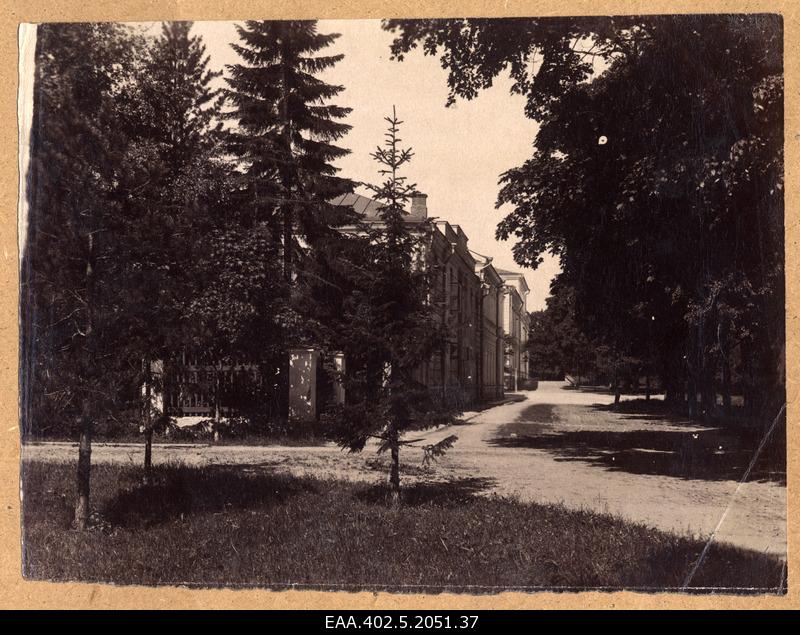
(481, 308)
(516, 327)
(482, 311)
(491, 334)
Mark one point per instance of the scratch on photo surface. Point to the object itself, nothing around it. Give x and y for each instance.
(746, 474)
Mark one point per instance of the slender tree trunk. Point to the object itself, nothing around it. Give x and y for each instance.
(726, 386)
(708, 395)
(672, 394)
(217, 391)
(747, 378)
(691, 385)
(288, 237)
(394, 475)
(217, 414)
(692, 373)
(288, 168)
(148, 422)
(616, 386)
(148, 454)
(85, 444)
(723, 342)
(84, 467)
(647, 386)
(691, 397)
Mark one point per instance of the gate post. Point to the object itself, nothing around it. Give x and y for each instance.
(338, 385)
(303, 385)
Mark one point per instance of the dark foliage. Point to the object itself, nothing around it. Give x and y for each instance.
(285, 135)
(657, 179)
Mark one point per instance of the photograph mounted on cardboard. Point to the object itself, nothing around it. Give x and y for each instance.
(467, 305)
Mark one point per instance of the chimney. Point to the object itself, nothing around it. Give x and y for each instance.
(419, 205)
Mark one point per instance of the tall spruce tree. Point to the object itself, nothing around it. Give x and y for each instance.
(283, 140)
(74, 356)
(390, 327)
(286, 131)
(180, 91)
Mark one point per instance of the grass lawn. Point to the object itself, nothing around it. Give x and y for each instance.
(228, 525)
(290, 440)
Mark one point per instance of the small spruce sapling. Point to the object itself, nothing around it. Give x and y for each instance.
(392, 327)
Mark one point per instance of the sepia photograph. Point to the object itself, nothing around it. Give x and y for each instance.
(464, 305)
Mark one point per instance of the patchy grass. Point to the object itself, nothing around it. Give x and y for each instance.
(223, 525)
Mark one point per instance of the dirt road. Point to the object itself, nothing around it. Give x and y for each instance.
(567, 446)
(559, 445)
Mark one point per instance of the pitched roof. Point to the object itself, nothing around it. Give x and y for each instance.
(360, 204)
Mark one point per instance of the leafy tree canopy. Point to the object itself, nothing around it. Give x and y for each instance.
(656, 177)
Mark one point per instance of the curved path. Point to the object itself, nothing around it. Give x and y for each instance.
(563, 445)
(557, 445)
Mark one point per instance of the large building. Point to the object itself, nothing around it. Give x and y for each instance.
(483, 310)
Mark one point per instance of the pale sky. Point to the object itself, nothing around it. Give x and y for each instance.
(460, 151)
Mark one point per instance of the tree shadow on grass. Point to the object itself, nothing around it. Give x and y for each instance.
(655, 411)
(178, 491)
(706, 453)
(641, 409)
(446, 493)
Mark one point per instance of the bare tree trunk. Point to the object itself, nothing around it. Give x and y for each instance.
(616, 386)
(288, 176)
(673, 395)
(288, 223)
(85, 444)
(747, 379)
(691, 397)
(148, 422)
(148, 454)
(217, 391)
(84, 467)
(708, 395)
(726, 386)
(394, 475)
(217, 412)
(692, 373)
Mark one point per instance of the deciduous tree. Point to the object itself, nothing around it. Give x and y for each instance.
(644, 180)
